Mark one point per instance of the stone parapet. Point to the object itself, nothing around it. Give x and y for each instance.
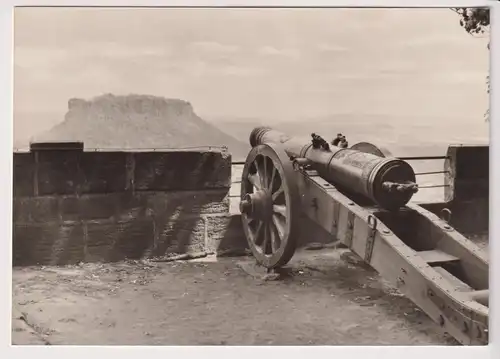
(73, 206)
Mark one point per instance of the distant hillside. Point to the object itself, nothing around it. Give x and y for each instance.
(238, 127)
(138, 121)
(404, 135)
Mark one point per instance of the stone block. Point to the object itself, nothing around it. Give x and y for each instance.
(56, 146)
(110, 241)
(20, 213)
(35, 209)
(133, 205)
(225, 233)
(179, 235)
(47, 244)
(103, 172)
(89, 207)
(465, 190)
(135, 238)
(168, 171)
(101, 233)
(23, 174)
(42, 209)
(470, 161)
(467, 174)
(58, 172)
(211, 202)
(165, 204)
(100, 238)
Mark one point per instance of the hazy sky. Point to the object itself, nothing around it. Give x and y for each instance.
(278, 63)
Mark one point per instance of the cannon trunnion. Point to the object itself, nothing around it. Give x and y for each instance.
(362, 199)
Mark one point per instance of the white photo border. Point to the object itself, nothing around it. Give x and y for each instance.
(407, 352)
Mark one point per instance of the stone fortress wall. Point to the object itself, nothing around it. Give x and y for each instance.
(72, 206)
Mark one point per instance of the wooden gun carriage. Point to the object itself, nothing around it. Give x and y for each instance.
(361, 197)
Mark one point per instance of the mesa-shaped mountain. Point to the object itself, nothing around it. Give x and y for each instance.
(139, 122)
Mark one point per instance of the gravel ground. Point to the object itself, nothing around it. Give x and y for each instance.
(324, 298)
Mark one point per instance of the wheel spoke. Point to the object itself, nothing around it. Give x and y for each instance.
(265, 243)
(279, 209)
(273, 175)
(255, 181)
(275, 238)
(278, 193)
(279, 227)
(259, 170)
(264, 172)
(258, 237)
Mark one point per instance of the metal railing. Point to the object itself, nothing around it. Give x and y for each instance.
(427, 158)
(422, 158)
(404, 158)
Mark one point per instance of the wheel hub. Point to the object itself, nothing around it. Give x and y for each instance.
(258, 205)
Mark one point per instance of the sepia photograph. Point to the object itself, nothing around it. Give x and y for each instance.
(251, 176)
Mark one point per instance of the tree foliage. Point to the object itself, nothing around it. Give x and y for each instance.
(474, 20)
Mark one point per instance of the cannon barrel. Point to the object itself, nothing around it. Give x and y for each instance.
(388, 182)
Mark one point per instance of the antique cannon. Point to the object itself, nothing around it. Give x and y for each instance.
(388, 182)
(361, 198)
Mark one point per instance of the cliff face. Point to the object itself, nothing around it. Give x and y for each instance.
(138, 121)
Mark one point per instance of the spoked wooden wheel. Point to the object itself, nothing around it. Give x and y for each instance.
(270, 206)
